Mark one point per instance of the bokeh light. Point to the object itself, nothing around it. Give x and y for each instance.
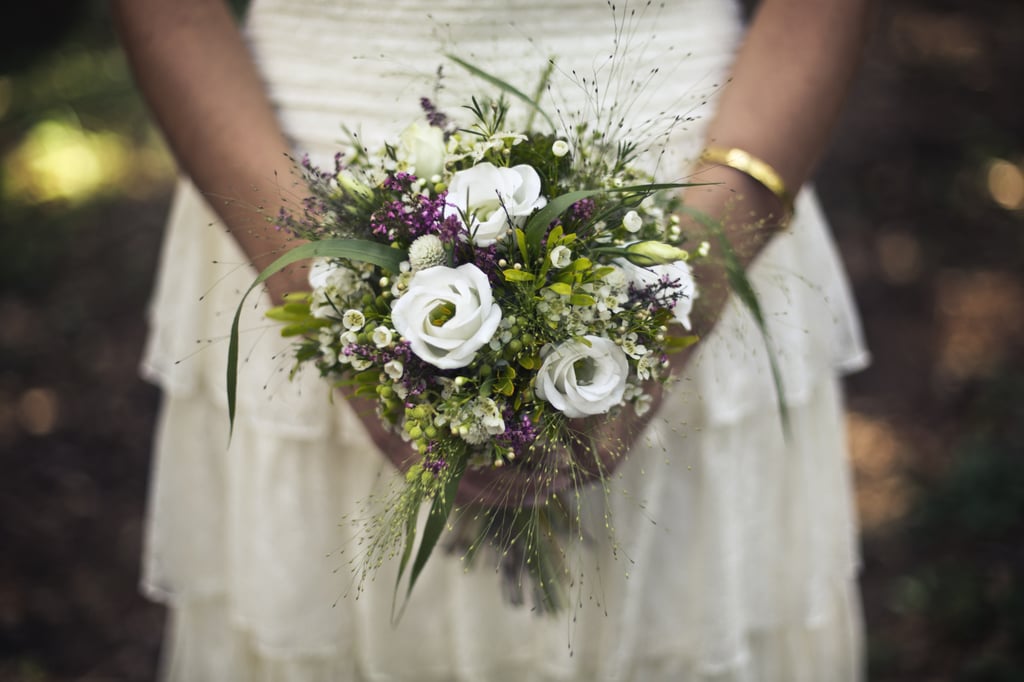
(58, 160)
(1006, 184)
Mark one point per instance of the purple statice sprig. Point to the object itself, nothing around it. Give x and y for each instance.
(435, 117)
(411, 214)
(662, 294)
(520, 432)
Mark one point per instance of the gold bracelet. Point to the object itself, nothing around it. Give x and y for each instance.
(750, 165)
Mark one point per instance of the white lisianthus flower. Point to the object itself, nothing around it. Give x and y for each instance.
(655, 253)
(677, 272)
(581, 380)
(447, 315)
(359, 364)
(348, 338)
(490, 198)
(560, 256)
(382, 337)
(560, 148)
(394, 369)
(422, 147)
(353, 320)
(632, 222)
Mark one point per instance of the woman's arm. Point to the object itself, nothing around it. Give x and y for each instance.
(199, 79)
(780, 105)
(197, 74)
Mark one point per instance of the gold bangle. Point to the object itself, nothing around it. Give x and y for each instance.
(750, 165)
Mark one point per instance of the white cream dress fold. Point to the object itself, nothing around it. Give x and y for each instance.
(733, 555)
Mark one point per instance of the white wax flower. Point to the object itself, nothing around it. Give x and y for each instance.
(482, 421)
(491, 198)
(642, 405)
(382, 337)
(423, 148)
(394, 369)
(677, 272)
(331, 284)
(560, 148)
(447, 314)
(359, 364)
(632, 221)
(581, 380)
(560, 256)
(353, 319)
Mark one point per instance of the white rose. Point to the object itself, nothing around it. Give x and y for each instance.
(581, 380)
(490, 198)
(678, 272)
(447, 315)
(423, 148)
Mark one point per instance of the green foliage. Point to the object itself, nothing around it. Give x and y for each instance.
(972, 518)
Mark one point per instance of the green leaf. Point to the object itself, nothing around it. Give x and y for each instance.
(505, 86)
(674, 344)
(521, 242)
(561, 288)
(582, 299)
(355, 249)
(513, 275)
(554, 237)
(303, 328)
(744, 290)
(580, 264)
(436, 522)
(540, 220)
(505, 387)
(410, 542)
(282, 314)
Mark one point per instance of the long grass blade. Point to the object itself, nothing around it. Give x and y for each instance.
(354, 249)
(505, 86)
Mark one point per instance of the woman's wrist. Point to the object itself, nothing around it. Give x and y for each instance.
(753, 166)
(748, 212)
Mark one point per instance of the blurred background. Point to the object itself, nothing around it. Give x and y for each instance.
(924, 185)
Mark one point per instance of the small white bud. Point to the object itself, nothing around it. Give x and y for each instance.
(632, 221)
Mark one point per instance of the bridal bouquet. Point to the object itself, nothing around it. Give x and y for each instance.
(489, 287)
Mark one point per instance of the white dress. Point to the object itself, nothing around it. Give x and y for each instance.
(736, 549)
